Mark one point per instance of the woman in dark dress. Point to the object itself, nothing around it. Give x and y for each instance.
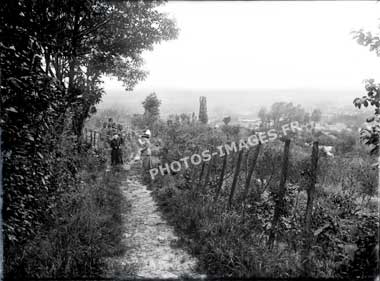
(116, 154)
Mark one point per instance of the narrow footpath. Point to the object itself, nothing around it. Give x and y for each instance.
(151, 242)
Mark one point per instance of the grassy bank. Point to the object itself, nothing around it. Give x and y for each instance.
(228, 244)
(86, 228)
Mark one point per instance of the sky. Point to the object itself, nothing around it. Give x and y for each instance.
(262, 45)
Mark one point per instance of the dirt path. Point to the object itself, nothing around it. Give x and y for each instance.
(151, 241)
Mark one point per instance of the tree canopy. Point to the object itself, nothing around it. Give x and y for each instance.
(370, 136)
(53, 55)
(151, 106)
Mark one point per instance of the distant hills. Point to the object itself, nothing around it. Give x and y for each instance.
(231, 102)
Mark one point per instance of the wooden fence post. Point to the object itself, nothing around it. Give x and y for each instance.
(221, 179)
(207, 178)
(96, 136)
(201, 174)
(250, 172)
(194, 171)
(309, 209)
(235, 179)
(281, 194)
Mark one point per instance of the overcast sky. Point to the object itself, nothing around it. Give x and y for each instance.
(263, 45)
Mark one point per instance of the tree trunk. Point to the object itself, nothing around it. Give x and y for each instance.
(281, 193)
(221, 179)
(235, 180)
(309, 210)
(74, 42)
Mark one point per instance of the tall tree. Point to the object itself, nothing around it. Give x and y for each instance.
(82, 40)
(203, 110)
(151, 106)
(52, 56)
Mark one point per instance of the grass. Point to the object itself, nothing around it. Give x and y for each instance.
(87, 228)
(227, 245)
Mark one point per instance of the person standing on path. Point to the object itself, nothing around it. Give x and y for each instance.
(116, 156)
(121, 144)
(146, 153)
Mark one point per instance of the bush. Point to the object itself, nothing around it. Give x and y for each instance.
(233, 242)
(85, 227)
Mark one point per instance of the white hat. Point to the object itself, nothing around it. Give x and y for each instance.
(147, 132)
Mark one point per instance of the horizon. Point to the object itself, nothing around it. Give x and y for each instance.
(302, 54)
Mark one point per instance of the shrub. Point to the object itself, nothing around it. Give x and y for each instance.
(84, 227)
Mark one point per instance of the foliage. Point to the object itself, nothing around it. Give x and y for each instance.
(232, 242)
(370, 136)
(151, 106)
(263, 115)
(84, 227)
(227, 120)
(283, 112)
(365, 261)
(316, 115)
(53, 54)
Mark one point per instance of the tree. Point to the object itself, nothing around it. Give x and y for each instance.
(282, 112)
(277, 111)
(151, 106)
(306, 118)
(193, 117)
(370, 136)
(316, 115)
(203, 110)
(52, 55)
(227, 120)
(365, 266)
(82, 40)
(263, 116)
(185, 118)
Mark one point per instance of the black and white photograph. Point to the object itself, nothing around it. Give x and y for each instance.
(189, 140)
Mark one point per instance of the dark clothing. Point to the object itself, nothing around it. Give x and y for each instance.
(116, 152)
